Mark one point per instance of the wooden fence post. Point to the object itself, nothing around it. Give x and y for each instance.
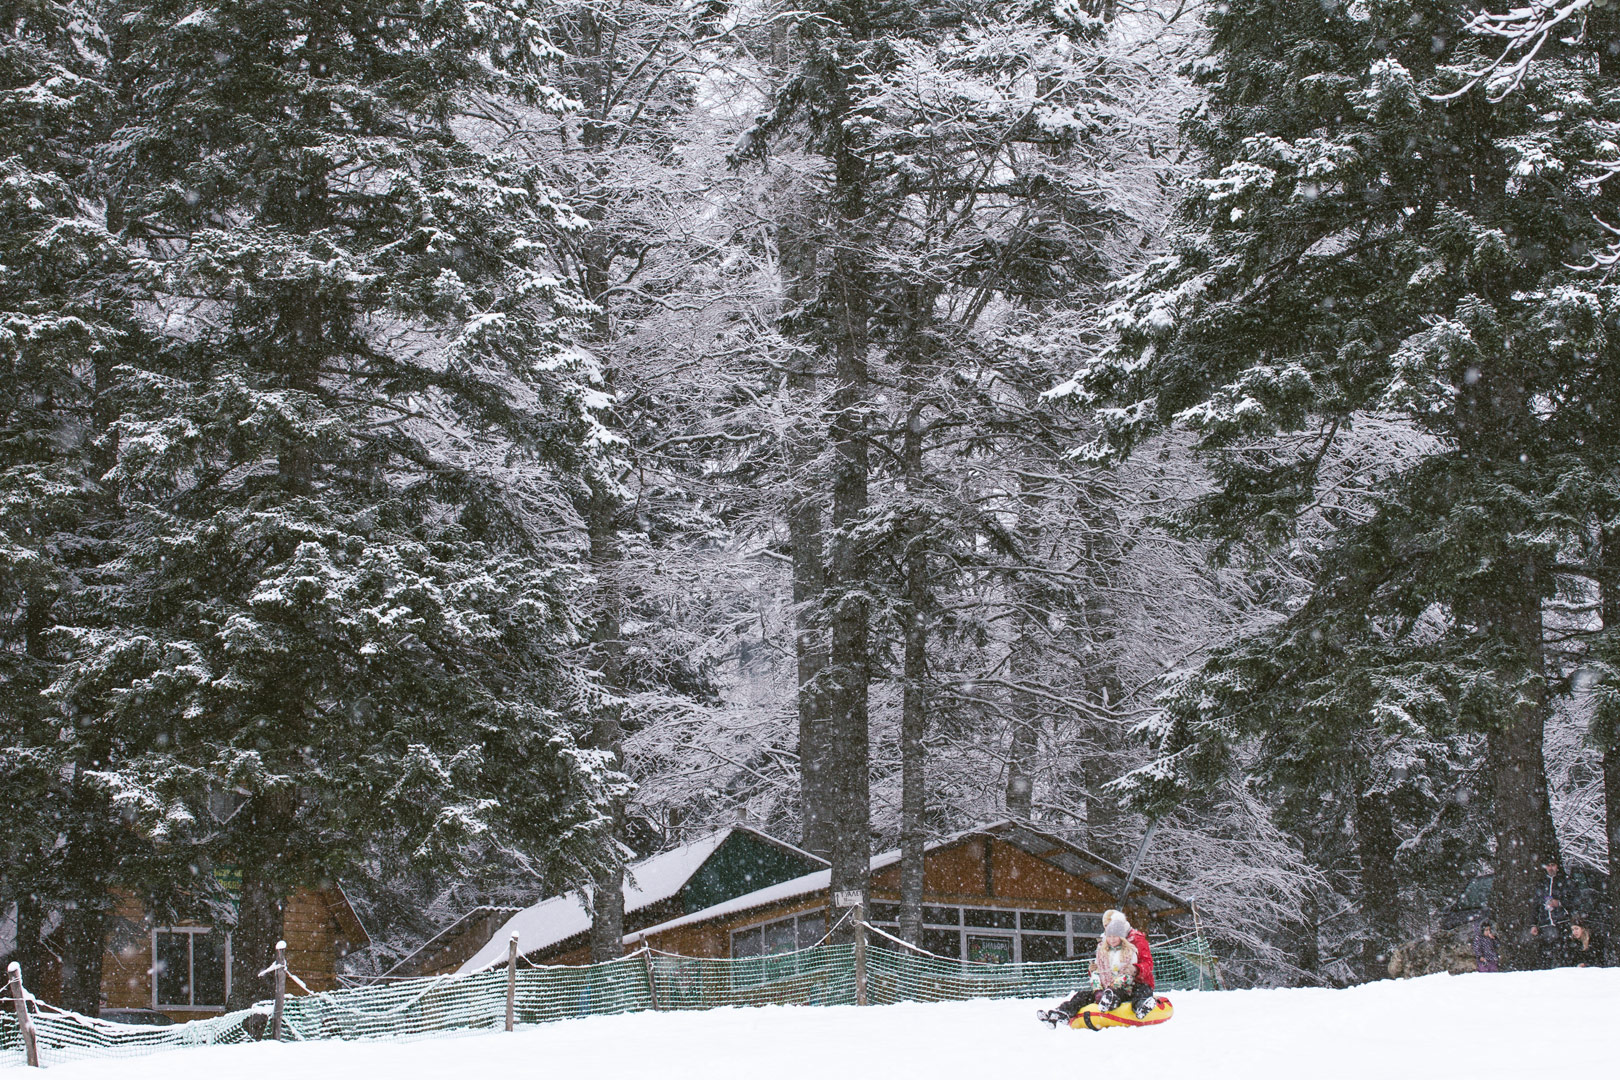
(511, 982)
(281, 990)
(859, 918)
(652, 983)
(20, 998)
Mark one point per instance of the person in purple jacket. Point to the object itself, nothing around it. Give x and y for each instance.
(1485, 943)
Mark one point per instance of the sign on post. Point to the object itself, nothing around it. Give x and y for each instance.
(847, 898)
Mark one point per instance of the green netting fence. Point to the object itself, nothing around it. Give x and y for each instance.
(824, 974)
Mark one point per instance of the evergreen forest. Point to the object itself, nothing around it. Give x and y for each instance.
(456, 448)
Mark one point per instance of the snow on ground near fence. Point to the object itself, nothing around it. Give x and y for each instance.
(1442, 1026)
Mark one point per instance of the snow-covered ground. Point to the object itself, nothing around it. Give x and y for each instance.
(1472, 1026)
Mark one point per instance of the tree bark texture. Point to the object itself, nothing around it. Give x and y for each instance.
(84, 943)
(29, 952)
(1026, 731)
(1607, 730)
(1376, 845)
(810, 645)
(1525, 836)
(846, 311)
(1611, 808)
(914, 701)
(607, 657)
(260, 923)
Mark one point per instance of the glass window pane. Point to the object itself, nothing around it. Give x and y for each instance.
(745, 943)
(812, 928)
(943, 916)
(1041, 920)
(208, 968)
(779, 938)
(1039, 948)
(172, 968)
(1088, 923)
(882, 912)
(942, 943)
(989, 917)
(989, 950)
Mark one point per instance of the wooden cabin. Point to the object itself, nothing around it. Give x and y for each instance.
(453, 946)
(693, 877)
(1000, 893)
(183, 970)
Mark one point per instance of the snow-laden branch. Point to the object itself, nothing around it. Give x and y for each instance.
(1524, 31)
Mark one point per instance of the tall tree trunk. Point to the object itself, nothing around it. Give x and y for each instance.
(796, 253)
(1611, 799)
(1607, 731)
(265, 855)
(914, 703)
(1376, 846)
(87, 862)
(29, 951)
(1525, 836)
(849, 667)
(810, 645)
(1026, 728)
(848, 310)
(810, 651)
(1310, 932)
(84, 943)
(607, 894)
(260, 923)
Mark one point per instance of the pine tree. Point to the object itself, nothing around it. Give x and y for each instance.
(1378, 237)
(343, 447)
(72, 787)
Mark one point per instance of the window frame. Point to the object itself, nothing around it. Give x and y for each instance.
(1070, 935)
(191, 933)
(731, 936)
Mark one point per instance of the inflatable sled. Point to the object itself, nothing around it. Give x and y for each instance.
(1095, 1017)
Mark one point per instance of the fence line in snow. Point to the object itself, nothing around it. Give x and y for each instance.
(824, 974)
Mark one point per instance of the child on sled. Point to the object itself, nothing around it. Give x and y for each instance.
(1122, 971)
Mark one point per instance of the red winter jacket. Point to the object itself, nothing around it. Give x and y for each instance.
(1144, 958)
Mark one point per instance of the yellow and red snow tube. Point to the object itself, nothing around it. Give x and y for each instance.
(1095, 1017)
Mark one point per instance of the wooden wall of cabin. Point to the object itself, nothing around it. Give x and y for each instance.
(961, 874)
(1004, 876)
(315, 942)
(713, 939)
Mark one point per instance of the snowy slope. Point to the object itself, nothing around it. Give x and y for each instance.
(1473, 1026)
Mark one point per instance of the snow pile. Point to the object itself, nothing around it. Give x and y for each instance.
(1441, 1026)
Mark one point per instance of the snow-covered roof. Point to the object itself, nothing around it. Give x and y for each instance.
(815, 882)
(647, 882)
(1087, 865)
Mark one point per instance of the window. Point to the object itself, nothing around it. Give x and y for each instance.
(1039, 948)
(780, 936)
(994, 917)
(941, 942)
(191, 967)
(1041, 920)
(989, 950)
(999, 935)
